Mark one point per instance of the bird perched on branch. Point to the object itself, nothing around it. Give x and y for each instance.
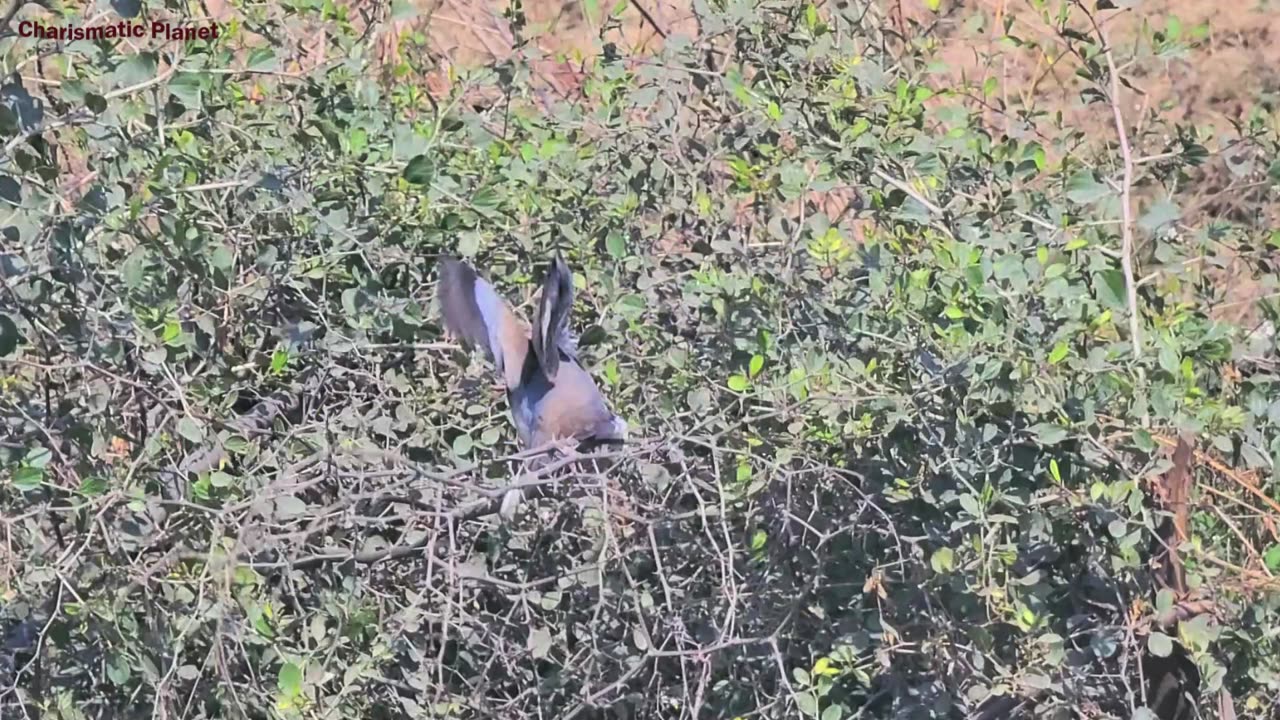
(551, 396)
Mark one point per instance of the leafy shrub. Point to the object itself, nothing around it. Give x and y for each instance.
(896, 436)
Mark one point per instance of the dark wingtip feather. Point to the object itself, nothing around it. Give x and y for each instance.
(553, 315)
(457, 294)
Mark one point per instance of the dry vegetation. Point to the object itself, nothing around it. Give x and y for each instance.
(908, 307)
(1232, 72)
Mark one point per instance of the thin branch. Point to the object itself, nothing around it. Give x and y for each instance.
(1126, 200)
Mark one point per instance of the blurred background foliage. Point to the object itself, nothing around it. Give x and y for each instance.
(853, 272)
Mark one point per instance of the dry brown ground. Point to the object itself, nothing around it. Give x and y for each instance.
(1221, 79)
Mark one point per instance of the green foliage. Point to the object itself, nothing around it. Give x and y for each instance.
(894, 439)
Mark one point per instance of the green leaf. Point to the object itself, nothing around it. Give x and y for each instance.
(1083, 188)
(1049, 433)
(632, 306)
(943, 560)
(288, 506)
(757, 364)
(172, 334)
(221, 258)
(1159, 215)
(462, 445)
(357, 140)
(403, 10)
(1109, 284)
(1039, 157)
(188, 87)
(539, 642)
(118, 670)
(486, 201)
(191, 429)
(640, 638)
(262, 59)
(807, 703)
(136, 68)
(1198, 632)
(1143, 440)
(468, 244)
(1272, 558)
(134, 268)
(279, 359)
(1159, 644)
(616, 244)
(93, 486)
(739, 383)
(39, 457)
(289, 680)
(27, 478)
(1059, 353)
(420, 170)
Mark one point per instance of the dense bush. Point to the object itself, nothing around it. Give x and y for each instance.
(895, 441)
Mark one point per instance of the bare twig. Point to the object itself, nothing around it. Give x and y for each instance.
(1126, 199)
